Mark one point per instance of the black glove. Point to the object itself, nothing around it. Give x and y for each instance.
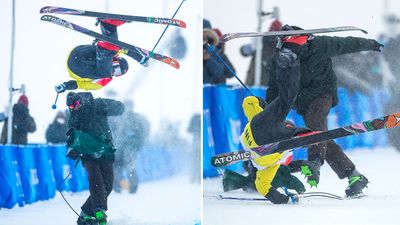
(378, 46)
(72, 154)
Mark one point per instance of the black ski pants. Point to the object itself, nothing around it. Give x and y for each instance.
(101, 176)
(315, 118)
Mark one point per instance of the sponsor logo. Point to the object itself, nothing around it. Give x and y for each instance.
(232, 158)
(56, 21)
(167, 21)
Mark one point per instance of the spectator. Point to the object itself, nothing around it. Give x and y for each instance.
(391, 55)
(23, 123)
(194, 129)
(268, 53)
(56, 132)
(130, 133)
(214, 71)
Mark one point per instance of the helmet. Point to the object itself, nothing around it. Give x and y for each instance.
(74, 100)
(120, 66)
(252, 105)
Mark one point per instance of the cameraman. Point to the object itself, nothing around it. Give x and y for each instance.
(89, 137)
(214, 71)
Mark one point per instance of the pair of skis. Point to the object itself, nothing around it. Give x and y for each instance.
(301, 196)
(125, 46)
(312, 138)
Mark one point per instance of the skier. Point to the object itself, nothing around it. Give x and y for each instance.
(94, 66)
(317, 95)
(267, 124)
(89, 138)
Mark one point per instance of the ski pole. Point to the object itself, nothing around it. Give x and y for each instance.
(211, 49)
(167, 26)
(54, 106)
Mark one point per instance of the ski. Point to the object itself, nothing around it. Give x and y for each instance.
(304, 195)
(125, 46)
(311, 138)
(128, 18)
(230, 36)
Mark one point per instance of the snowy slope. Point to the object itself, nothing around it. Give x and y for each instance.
(381, 206)
(174, 201)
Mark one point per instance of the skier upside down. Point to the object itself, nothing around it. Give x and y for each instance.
(93, 66)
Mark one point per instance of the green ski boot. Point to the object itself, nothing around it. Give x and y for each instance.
(356, 185)
(310, 169)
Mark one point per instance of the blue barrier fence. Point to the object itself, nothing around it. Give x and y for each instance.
(33, 173)
(224, 120)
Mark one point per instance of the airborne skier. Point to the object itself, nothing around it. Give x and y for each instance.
(94, 66)
(317, 95)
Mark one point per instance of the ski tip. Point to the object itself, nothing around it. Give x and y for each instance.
(172, 62)
(180, 23)
(46, 9)
(364, 31)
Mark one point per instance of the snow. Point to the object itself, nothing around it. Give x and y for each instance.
(381, 206)
(172, 201)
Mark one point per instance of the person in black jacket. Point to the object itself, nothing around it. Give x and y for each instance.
(89, 137)
(23, 123)
(318, 94)
(56, 132)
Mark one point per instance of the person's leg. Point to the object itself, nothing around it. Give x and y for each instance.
(96, 187)
(316, 119)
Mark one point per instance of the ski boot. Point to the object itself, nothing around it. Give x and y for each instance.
(87, 220)
(356, 185)
(101, 217)
(310, 169)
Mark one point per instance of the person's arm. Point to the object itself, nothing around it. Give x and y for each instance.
(214, 68)
(334, 46)
(108, 107)
(227, 73)
(272, 90)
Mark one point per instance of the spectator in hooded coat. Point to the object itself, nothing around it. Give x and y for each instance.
(23, 123)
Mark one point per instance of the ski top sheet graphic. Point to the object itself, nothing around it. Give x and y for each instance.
(102, 15)
(311, 138)
(128, 47)
(231, 36)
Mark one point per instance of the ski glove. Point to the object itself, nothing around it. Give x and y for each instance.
(378, 46)
(60, 88)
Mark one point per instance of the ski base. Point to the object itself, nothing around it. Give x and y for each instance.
(128, 18)
(231, 36)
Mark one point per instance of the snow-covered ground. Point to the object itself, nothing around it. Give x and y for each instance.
(381, 206)
(172, 201)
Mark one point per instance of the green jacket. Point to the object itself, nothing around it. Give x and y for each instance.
(316, 74)
(89, 132)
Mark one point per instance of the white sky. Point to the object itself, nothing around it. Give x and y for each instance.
(240, 16)
(160, 92)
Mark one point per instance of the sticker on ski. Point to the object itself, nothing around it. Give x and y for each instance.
(127, 18)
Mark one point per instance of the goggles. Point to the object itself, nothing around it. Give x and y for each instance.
(75, 105)
(116, 69)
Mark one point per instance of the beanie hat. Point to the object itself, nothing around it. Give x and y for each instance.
(206, 24)
(23, 100)
(276, 25)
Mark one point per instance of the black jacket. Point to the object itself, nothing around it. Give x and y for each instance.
(91, 118)
(316, 74)
(84, 62)
(23, 123)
